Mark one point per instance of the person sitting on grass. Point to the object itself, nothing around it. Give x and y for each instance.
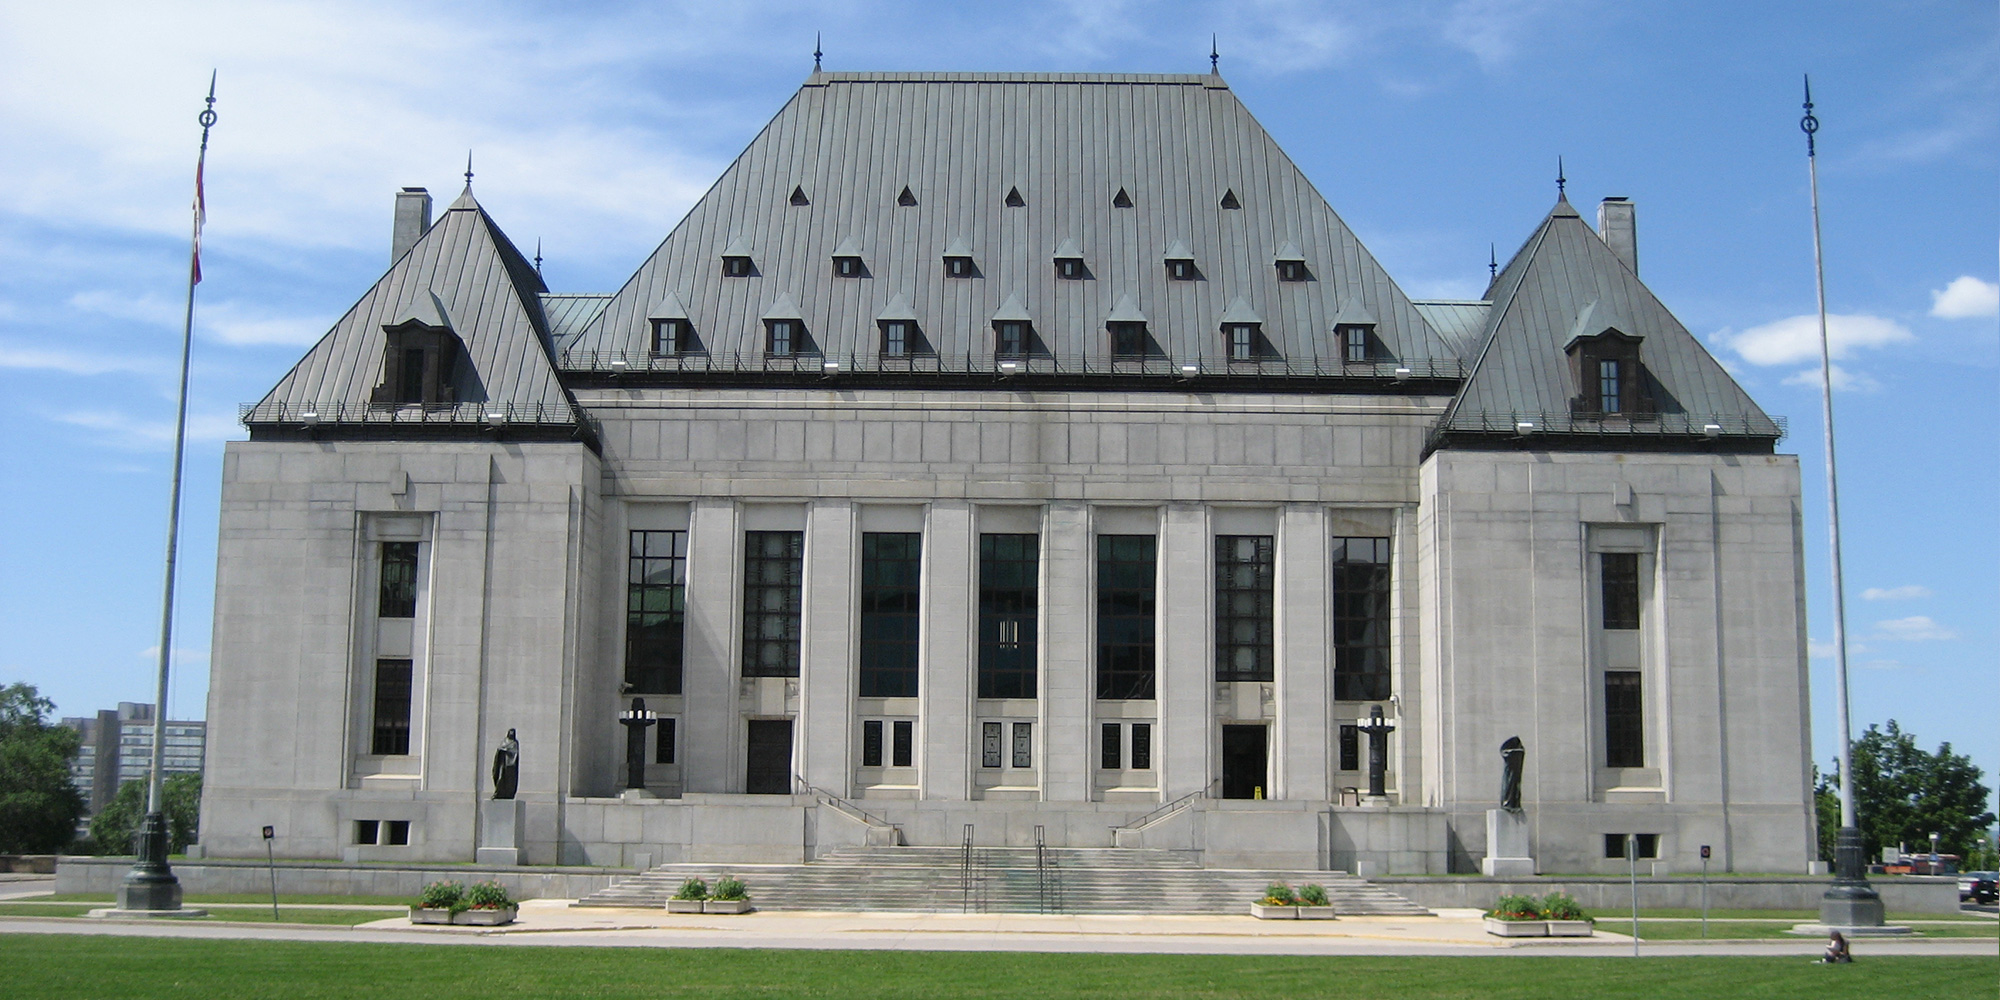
(1836, 950)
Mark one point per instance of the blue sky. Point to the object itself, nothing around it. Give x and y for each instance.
(1432, 128)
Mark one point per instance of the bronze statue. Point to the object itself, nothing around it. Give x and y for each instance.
(1513, 756)
(507, 767)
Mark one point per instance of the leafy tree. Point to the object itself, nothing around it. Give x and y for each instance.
(39, 805)
(1904, 794)
(115, 827)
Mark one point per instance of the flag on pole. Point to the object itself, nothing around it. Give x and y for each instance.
(200, 213)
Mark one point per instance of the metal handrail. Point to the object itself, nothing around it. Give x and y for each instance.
(1048, 884)
(965, 871)
(492, 412)
(1171, 807)
(1529, 423)
(842, 804)
(614, 362)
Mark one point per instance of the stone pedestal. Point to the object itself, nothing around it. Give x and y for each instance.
(499, 832)
(1507, 853)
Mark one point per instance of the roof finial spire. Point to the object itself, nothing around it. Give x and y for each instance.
(1810, 123)
(538, 255)
(468, 170)
(1562, 183)
(1492, 261)
(816, 52)
(1214, 57)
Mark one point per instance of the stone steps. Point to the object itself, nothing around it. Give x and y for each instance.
(1003, 880)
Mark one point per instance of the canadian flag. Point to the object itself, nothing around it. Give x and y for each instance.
(200, 213)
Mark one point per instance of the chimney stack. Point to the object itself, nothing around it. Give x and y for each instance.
(1619, 230)
(413, 220)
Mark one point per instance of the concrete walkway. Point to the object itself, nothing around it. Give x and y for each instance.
(554, 922)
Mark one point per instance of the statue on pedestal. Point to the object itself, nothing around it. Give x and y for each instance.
(507, 767)
(1513, 756)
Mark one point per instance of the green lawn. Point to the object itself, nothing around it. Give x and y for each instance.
(233, 914)
(58, 966)
(284, 899)
(1795, 916)
(1690, 930)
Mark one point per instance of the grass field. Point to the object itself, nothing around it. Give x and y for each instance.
(59, 966)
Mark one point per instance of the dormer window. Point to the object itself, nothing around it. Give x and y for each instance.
(849, 267)
(1069, 268)
(1357, 342)
(1610, 386)
(781, 337)
(1241, 340)
(958, 267)
(419, 357)
(898, 338)
(1291, 270)
(1128, 340)
(1180, 263)
(673, 337)
(1011, 338)
(736, 266)
(1610, 378)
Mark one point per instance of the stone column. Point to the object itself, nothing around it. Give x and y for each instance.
(1185, 685)
(1068, 682)
(711, 744)
(824, 730)
(1303, 734)
(946, 666)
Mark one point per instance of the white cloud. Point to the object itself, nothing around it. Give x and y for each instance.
(1842, 379)
(119, 430)
(1916, 628)
(1795, 340)
(1966, 297)
(72, 363)
(238, 324)
(1491, 30)
(148, 309)
(1906, 592)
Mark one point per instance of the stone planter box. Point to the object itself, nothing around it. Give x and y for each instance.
(1267, 911)
(424, 915)
(725, 906)
(1517, 928)
(467, 918)
(684, 905)
(1314, 912)
(1569, 928)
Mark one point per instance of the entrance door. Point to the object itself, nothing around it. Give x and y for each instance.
(1243, 764)
(770, 758)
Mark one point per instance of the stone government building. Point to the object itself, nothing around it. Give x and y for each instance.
(1015, 451)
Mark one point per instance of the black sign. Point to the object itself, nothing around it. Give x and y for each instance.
(1704, 852)
(272, 831)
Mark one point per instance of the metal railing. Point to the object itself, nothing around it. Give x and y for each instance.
(803, 787)
(968, 876)
(491, 413)
(1002, 366)
(1528, 423)
(1170, 808)
(1048, 876)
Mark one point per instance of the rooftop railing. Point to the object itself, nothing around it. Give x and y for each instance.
(494, 414)
(1002, 366)
(1529, 423)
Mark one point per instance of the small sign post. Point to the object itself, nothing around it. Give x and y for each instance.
(1632, 859)
(1704, 890)
(271, 860)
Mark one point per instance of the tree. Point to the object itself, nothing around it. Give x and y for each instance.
(1904, 795)
(114, 828)
(39, 805)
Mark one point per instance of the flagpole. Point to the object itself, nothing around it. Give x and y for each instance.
(1850, 902)
(151, 886)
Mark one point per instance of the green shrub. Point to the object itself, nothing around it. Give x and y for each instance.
(488, 896)
(1313, 894)
(728, 889)
(1562, 906)
(693, 888)
(1516, 908)
(1279, 894)
(442, 896)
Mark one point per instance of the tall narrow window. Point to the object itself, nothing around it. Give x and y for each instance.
(1360, 619)
(1242, 341)
(991, 751)
(664, 743)
(1624, 720)
(1125, 596)
(1620, 589)
(890, 563)
(1110, 756)
(782, 338)
(1608, 383)
(1128, 340)
(1008, 568)
(1350, 747)
(902, 743)
(773, 574)
(1024, 744)
(673, 337)
(397, 597)
(655, 611)
(1013, 339)
(871, 743)
(392, 707)
(1245, 610)
(1292, 270)
(1142, 746)
(896, 338)
(411, 379)
(1355, 342)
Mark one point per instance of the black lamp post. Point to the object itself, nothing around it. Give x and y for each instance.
(1377, 730)
(636, 720)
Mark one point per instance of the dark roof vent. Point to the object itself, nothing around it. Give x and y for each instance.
(1121, 199)
(1229, 200)
(906, 199)
(1014, 199)
(799, 196)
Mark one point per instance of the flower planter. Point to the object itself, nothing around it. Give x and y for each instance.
(1314, 912)
(486, 917)
(429, 915)
(684, 905)
(1569, 928)
(1269, 911)
(1517, 928)
(725, 906)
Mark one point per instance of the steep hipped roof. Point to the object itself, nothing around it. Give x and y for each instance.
(466, 275)
(1564, 283)
(1068, 142)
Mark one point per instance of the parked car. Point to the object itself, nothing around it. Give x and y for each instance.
(1979, 887)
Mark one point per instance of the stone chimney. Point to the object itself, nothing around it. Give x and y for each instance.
(413, 220)
(1619, 230)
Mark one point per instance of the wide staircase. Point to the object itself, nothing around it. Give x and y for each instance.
(1004, 880)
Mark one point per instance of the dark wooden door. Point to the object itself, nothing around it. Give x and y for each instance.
(770, 757)
(1243, 761)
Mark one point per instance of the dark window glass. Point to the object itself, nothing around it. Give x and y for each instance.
(397, 597)
(410, 380)
(1245, 572)
(1111, 747)
(1007, 613)
(1361, 619)
(783, 337)
(991, 753)
(1069, 267)
(1181, 270)
(847, 267)
(1620, 571)
(392, 707)
(1013, 339)
(958, 267)
(1608, 392)
(896, 338)
(890, 566)
(664, 743)
(902, 745)
(871, 743)
(396, 832)
(1291, 270)
(655, 611)
(1024, 744)
(773, 574)
(1142, 746)
(1350, 747)
(1648, 845)
(1356, 340)
(1125, 595)
(1242, 341)
(367, 831)
(1128, 340)
(736, 267)
(1624, 720)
